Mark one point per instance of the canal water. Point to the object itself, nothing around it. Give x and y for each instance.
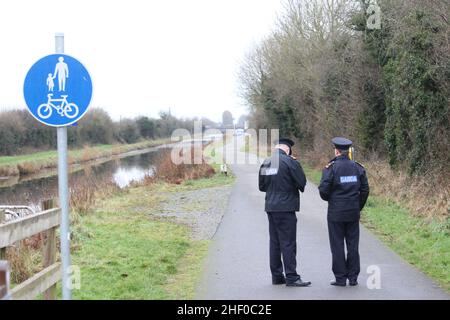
(122, 170)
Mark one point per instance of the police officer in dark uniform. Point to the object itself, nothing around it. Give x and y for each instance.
(281, 177)
(344, 185)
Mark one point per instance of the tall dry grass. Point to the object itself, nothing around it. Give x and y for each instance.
(30, 167)
(25, 261)
(25, 258)
(168, 171)
(9, 171)
(426, 195)
(86, 192)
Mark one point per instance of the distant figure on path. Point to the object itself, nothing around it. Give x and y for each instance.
(344, 185)
(62, 70)
(281, 177)
(50, 82)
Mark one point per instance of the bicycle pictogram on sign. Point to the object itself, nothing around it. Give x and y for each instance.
(58, 90)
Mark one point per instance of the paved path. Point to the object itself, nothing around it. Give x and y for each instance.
(238, 263)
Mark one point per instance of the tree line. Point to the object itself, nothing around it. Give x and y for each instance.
(325, 71)
(21, 133)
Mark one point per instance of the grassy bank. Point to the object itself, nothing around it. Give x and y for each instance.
(125, 252)
(423, 243)
(33, 163)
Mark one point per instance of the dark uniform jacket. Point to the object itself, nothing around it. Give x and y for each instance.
(281, 177)
(344, 185)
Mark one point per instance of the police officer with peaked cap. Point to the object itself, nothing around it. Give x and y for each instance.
(344, 185)
(281, 177)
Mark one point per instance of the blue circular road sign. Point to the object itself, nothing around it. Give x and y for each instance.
(58, 90)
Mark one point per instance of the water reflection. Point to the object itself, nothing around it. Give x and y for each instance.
(121, 171)
(124, 176)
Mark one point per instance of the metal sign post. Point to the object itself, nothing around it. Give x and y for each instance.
(58, 92)
(63, 189)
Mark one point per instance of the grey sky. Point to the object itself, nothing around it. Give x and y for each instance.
(144, 56)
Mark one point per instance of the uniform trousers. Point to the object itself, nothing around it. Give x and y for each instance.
(283, 245)
(345, 266)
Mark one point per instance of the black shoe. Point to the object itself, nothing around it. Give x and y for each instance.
(278, 281)
(353, 283)
(299, 283)
(338, 284)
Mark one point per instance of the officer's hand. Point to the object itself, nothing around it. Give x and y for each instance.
(293, 157)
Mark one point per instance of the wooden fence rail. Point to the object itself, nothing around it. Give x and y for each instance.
(13, 231)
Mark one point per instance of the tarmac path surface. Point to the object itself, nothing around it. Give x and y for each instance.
(237, 265)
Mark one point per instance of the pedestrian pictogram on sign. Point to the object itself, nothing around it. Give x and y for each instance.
(58, 90)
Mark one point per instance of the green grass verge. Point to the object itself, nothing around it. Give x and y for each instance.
(124, 252)
(38, 156)
(312, 174)
(424, 244)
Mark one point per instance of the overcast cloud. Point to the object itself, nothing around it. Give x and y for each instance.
(143, 56)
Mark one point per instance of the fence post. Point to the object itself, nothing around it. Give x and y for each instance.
(4, 280)
(49, 249)
(2, 250)
(4, 268)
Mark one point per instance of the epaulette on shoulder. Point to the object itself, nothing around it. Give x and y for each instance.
(359, 164)
(329, 164)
